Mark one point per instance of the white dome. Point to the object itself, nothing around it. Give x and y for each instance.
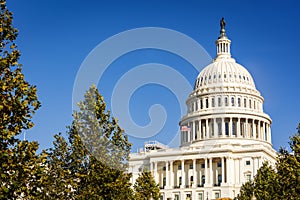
(224, 72)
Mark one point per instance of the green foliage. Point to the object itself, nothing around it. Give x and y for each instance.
(21, 168)
(283, 182)
(246, 191)
(145, 187)
(266, 183)
(91, 164)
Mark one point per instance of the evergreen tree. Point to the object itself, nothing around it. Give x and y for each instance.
(21, 168)
(145, 187)
(92, 164)
(246, 191)
(283, 182)
(288, 169)
(266, 186)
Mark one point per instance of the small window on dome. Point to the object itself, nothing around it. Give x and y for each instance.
(205, 78)
(244, 78)
(240, 76)
(214, 76)
(249, 103)
(232, 101)
(219, 76)
(206, 101)
(226, 101)
(213, 102)
(224, 75)
(219, 102)
(209, 77)
(229, 75)
(245, 102)
(247, 78)
(239, 102)
(235, 76)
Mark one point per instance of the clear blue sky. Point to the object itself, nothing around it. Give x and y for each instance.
(56, 36)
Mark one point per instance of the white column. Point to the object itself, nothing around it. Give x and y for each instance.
(264, 131)
(155, 172)
(253, 129)
(200, 130)
(207, 128)
(182, 174)
(171, 175)
(215, 128)
(254, 166)
(194, 131)
(223, 127)
(167, 174)
(189, 132)
(270, 138)
(241, 170)
(206, 172)
(238, 127)
(230, 127)
(228, 170)
(223, 170)
(210, 171)
(258, 129)
(194, 173)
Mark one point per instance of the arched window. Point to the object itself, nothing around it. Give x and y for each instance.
(245, 102)
(249, 103)
(219, 102)
(201, 104)
(206, 101)
(213, 102)
(226, 101)
(232, 101)
(239, 102)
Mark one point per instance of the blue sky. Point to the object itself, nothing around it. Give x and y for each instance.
(56, 36)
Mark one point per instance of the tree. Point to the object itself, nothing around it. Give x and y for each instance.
(145, 187)
(246, 191)
(92, 164)
(283, 182)
(20, 167)
(266, 186)
(288, 169)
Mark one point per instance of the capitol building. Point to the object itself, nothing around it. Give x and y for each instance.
(225, 135)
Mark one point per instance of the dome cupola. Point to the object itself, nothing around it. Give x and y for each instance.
(225, 103)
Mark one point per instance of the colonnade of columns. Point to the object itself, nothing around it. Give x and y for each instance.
(226, 127)
(203, 172)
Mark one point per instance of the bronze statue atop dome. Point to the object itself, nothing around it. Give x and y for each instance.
(222, 23)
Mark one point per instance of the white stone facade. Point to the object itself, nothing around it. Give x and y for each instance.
(226, 139)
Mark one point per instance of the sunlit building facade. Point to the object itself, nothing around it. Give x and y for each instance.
(225, 135)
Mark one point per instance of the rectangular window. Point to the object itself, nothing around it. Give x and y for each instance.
(248, 162)
(217, 195)
(191, 166)
(248, 177)
(213, 102)
(226, 101)
(219, 179)
(180, 180)
(220, 128)
(233, 128)
(245, 103)
(219, 102)
(202, 165)
(179, 167)
(177, 197)
(232, 101)
(219, 164)
(200, 196)
(239, 102)
(226, 128)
